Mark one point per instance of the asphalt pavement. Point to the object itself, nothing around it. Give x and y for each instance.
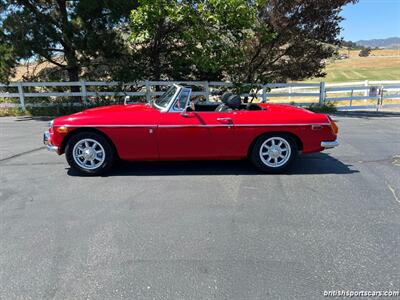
(201, 230)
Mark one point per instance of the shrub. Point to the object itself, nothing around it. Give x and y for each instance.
(12, 112)
(328, 107)
(364, 52)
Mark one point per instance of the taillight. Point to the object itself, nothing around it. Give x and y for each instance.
(334, 127)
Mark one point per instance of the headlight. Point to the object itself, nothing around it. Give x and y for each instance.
(50, 124)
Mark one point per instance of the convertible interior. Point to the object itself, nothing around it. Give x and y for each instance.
(229, 102)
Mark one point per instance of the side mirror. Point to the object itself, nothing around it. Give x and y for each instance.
(185, 112)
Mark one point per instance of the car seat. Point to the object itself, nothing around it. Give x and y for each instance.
(230, 102)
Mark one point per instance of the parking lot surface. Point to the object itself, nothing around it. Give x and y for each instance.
(201, 230)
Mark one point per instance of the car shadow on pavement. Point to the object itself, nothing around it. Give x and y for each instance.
(319, 163)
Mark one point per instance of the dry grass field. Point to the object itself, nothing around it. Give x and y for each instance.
(31, 69)
(383, 64)
(378, 52)
(363, 68)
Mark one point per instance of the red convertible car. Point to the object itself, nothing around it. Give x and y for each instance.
(175, 128)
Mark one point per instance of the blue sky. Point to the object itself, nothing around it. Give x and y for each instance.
(371, 19)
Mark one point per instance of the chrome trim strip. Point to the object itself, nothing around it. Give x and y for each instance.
(109, 126)
(238, 125)
(191, 125)
(329, 144)
(195, 125)
(269, 125)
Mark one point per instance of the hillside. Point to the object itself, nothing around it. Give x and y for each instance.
(392, 42)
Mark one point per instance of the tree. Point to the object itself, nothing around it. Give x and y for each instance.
(239, 40)
(304, 34)
(7, 61)
(351, 45)
(364, 52)
(184, 39)
(81, 38)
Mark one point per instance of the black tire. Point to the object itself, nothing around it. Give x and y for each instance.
(103, 166)
(284, 163)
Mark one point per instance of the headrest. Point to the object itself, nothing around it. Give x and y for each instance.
(234, 101)
(225, 96)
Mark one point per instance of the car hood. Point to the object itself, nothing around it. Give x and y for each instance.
(107, 115)
(117, 108)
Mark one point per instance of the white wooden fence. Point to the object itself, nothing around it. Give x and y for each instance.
(341, 93)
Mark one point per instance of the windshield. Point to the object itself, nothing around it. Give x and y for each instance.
(165, 98)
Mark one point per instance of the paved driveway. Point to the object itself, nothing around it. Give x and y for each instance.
(202, 230)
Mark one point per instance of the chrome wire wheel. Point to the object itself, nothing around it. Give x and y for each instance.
(275, 152)
(88, 154)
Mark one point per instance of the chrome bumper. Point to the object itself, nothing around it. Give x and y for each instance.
(47, 142)
(329, 144)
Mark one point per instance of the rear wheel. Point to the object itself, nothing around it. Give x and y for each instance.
(89, 153)
(273, 153)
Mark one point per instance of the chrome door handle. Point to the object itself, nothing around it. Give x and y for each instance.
(225, 120)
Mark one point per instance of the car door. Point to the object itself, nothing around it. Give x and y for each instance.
(184, 136)
(248, 126)
(223, 132)
(234, 131)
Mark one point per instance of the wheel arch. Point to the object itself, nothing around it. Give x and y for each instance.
(74, 132)
(298, 141)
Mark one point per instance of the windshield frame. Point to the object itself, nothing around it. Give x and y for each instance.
(171, 101)
(183, 89)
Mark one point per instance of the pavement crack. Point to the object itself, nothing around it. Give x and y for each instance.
(20, 154)
(393, 192)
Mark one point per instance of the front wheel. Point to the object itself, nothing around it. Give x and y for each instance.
(89, 153)
(273, 153)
